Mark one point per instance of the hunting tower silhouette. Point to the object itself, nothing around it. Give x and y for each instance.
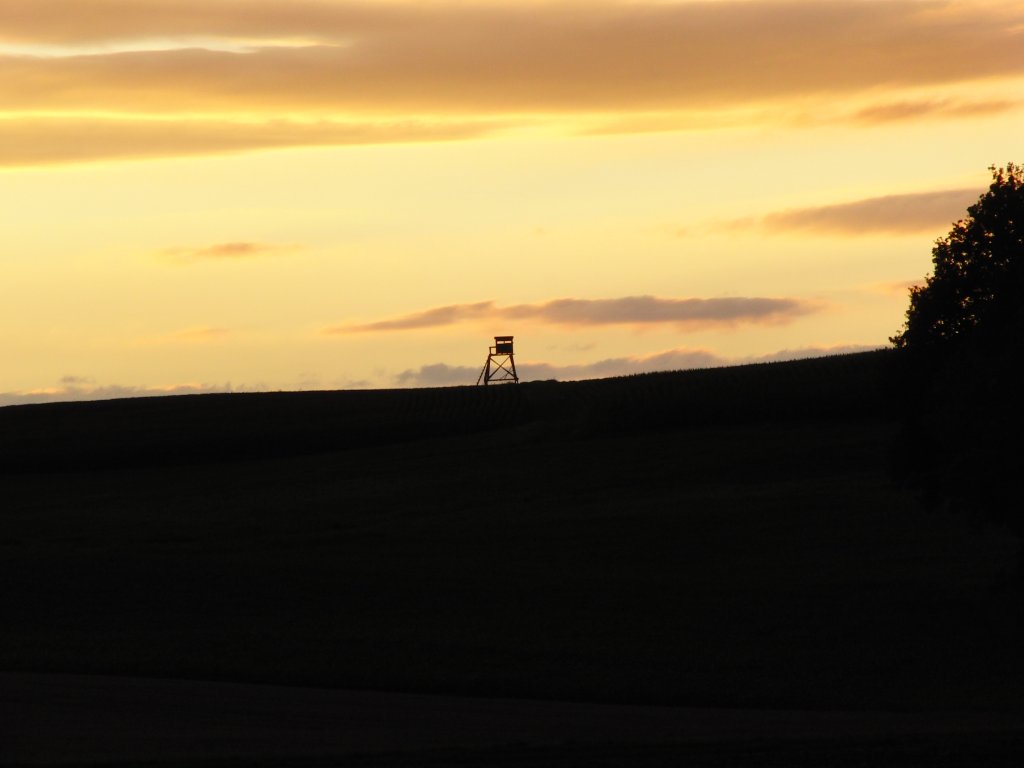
(500, 367)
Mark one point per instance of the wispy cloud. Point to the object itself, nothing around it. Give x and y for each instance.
(27, 141)
(229, 251)
(443, 375)
(897, 111)
(629, 310)
(888, 215)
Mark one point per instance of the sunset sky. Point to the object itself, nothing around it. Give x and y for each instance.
(211, 195)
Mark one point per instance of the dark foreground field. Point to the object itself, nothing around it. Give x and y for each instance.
(727, 546)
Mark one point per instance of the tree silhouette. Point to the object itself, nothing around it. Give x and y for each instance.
(975, 295)
(960, 345)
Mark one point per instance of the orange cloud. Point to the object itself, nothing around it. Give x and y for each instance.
(72, 21)
(400, 58)
(887, 215)
(46, 141)
(629, 310)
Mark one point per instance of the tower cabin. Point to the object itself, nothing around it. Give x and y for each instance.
(502, 345)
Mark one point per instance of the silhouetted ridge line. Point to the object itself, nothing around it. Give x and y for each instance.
(224, 427)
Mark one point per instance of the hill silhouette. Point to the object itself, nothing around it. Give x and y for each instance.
(725, 538)
(192, 429)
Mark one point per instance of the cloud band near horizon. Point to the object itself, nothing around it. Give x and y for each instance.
(443, 375)
(79, 388)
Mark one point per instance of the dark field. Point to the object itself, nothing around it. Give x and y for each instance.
(724, 539)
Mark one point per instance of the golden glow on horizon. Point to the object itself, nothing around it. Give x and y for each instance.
(179, 216)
